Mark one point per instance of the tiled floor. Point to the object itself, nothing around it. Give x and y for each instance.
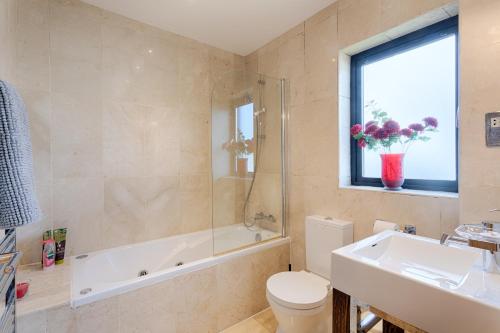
(264, 322)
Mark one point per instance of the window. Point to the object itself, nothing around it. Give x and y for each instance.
(410, 78)
(244, 129)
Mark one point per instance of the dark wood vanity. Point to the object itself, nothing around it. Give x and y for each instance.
(342, 311)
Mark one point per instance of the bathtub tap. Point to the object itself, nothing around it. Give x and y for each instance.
(260, 216)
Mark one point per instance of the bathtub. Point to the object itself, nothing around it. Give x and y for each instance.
(102, 274)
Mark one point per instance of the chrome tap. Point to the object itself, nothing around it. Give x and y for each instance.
(446, 239)
(475, 235)
(261, 216)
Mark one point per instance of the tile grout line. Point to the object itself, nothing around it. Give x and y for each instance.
(252, 318)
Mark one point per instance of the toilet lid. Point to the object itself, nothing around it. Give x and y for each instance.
(298, 290)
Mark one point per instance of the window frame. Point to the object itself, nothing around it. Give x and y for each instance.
(407, 42)
(236, 107)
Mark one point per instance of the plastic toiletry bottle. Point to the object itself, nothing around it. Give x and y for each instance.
(60, 239)
(48, 250)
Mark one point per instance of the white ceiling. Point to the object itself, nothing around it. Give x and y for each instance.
(239, 26)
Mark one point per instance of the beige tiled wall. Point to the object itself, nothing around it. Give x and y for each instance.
(308, 56)
(96, 80)
(120, 116)
(8, 8)
(208, 300)
(479, 70)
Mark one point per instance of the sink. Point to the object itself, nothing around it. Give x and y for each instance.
(434, 287)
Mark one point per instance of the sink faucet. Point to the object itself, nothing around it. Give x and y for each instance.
(490, 247)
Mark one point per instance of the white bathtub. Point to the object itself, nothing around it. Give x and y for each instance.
(115, 271)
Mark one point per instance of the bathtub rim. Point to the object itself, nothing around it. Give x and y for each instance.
(156, 277)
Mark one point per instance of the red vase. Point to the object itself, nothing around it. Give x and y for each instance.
(392, 171)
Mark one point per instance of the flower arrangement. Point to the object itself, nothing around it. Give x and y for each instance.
(383, 132)
(240, 146)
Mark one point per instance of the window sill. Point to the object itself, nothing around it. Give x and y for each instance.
(434, 194)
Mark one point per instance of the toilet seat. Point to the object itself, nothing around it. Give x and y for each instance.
(298, 290)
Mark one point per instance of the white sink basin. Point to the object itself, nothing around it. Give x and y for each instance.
(434, 287)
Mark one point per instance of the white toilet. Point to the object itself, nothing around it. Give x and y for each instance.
(301, 301)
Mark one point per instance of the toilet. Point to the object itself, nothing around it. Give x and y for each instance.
(301, 301)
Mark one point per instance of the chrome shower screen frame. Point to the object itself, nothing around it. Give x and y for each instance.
(284, 158)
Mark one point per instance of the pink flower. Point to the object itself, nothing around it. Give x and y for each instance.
(392, 127)
(371, 128)
(417, 127)
(381, 134)
(250, 145)
(361, 143)
(406, 132)
(356, 129)
(430, 122)
(370, 123)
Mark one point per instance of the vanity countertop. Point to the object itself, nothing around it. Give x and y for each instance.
(48, 288)
(420, 281)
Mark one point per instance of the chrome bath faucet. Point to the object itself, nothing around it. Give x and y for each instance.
(261, 216)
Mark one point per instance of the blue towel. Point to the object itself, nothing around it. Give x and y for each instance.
(18, 202)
